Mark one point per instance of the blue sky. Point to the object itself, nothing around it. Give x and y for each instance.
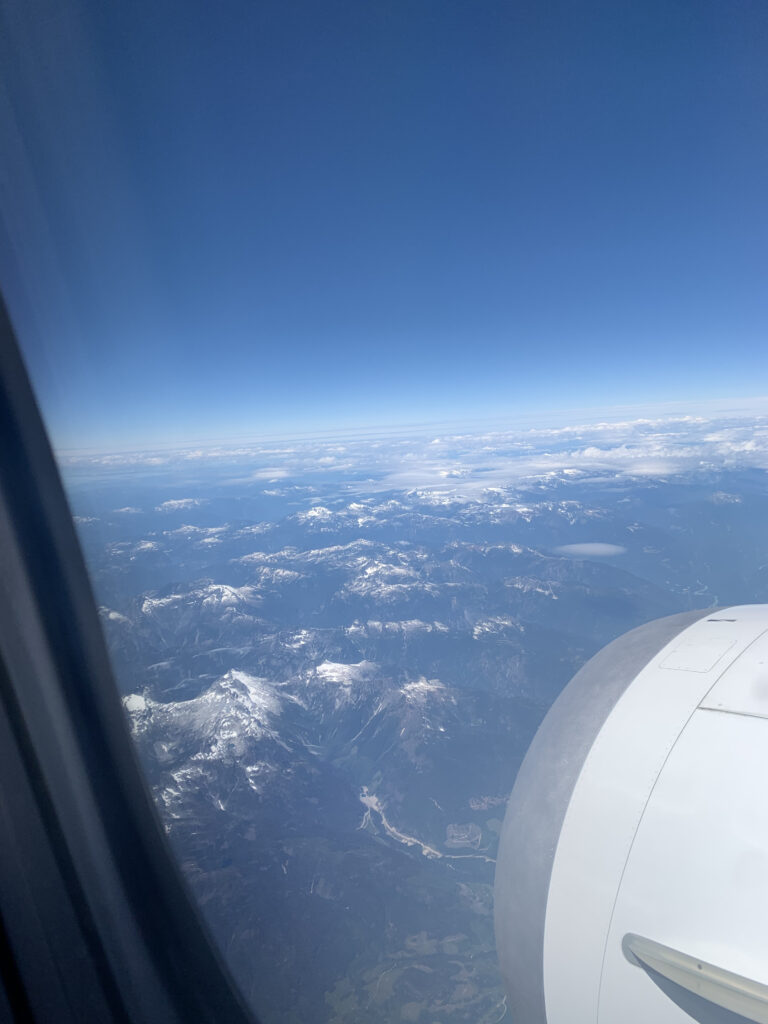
(243, 218)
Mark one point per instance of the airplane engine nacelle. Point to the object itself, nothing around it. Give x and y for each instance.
(632, 877)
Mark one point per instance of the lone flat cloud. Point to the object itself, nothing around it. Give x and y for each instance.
(595, 550)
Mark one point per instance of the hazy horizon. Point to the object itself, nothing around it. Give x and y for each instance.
(540, 420)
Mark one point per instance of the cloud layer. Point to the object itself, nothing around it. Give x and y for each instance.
(465, 465)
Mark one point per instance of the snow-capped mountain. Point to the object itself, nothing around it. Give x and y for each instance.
(331, 676)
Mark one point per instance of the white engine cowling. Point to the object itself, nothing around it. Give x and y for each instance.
(632, 877)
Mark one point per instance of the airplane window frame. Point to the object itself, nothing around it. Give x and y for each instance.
(86, 875)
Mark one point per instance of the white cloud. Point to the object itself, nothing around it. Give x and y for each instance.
(146, 545)
(177, 504)
(269, 473)
(595, 549)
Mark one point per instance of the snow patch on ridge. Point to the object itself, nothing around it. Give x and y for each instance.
(343, 674)
(419, 691)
